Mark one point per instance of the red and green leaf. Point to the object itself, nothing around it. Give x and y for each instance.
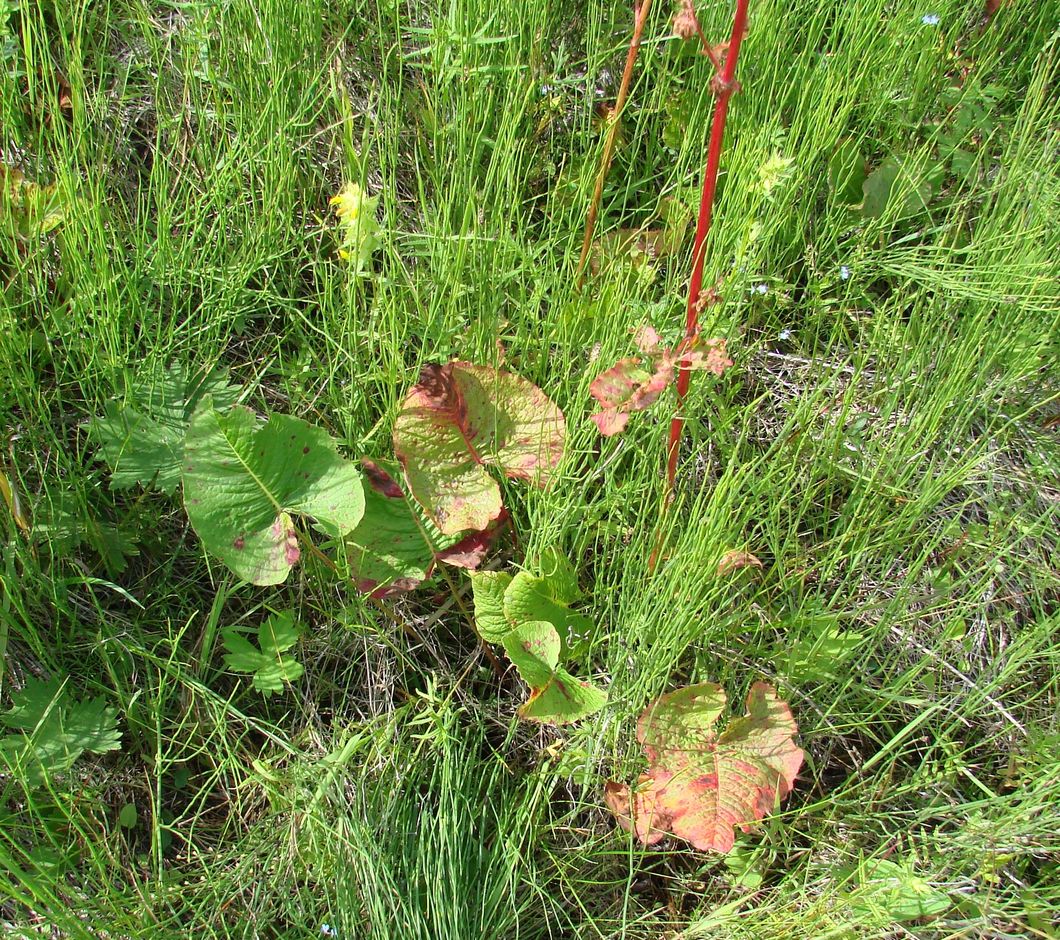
(700, 786)
(461, 418)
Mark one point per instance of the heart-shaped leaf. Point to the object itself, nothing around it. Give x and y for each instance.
(242, 481)
(394, 547)
(460, 418)
(700, 785)
(555, 695)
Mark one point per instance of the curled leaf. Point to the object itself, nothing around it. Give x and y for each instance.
(700, 785)
(735, 559)
(460, 418)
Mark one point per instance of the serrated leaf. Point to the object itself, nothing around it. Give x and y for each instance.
(555, 695)
(488, 589)
(269, 667)
(394, 547)
(52, 730)
(242, 481)
(142, 439)
(699, 786)
(460, 418)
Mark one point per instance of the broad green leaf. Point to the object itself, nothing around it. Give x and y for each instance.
(394, 547)
(555, 695)
(242, 481)
(270, 669)
(460, 418)
(818, 659)
(29, 209)
(127, 816)
(557, 569)
(488, 588)
(52, 731)
(531, 597)
(700, 786)
(891, 180)
(846, 173)
(142, 439)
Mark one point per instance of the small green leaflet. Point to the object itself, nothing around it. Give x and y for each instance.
(51, 731)
(142, 439)
(242, 481)
(460, 418)
(529, 616)
(889, 893)
(266, 662)
(555, 695)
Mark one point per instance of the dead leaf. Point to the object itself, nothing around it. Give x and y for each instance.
(735, 559)
(699, 786)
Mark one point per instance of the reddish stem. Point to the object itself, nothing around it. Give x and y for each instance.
(641, 17)
(724, 85)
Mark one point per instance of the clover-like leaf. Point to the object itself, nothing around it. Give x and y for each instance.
(266, 662)
(699, 786)
(394, 547)
(142, 439)
(555, 695)
(242, 481)
(460, 418)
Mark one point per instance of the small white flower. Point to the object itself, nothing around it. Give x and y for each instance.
(326, 930)
(785, 334)
(844, 272)
(761, 288)
(930, 19)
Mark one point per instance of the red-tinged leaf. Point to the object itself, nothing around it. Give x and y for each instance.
(736, 559)
(648, 340)
(460, 418)
(709, 355)
(700, 786)
(626, 387)
(610, 423)
(394, 548)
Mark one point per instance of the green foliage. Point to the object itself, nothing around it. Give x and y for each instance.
(555, 695)
(242, 481)
(50, 731)
(360, 230)
(142, 438)
(395, 546)
(847, 170)
(27, 208)
(701, 785)
(887, 893)
(460, 418)
(818, 659)
(266, 662)
(529, 615)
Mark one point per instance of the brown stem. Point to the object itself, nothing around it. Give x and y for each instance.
(640, 18)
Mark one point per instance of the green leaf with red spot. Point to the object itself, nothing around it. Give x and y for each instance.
(243, 480)
(460, 419)
(556, 697)
(699, 785)
(394, 547)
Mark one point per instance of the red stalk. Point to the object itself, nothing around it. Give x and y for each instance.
(724, 85)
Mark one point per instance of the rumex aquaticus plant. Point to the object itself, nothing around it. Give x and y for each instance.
(260, 493)
(612, 387)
